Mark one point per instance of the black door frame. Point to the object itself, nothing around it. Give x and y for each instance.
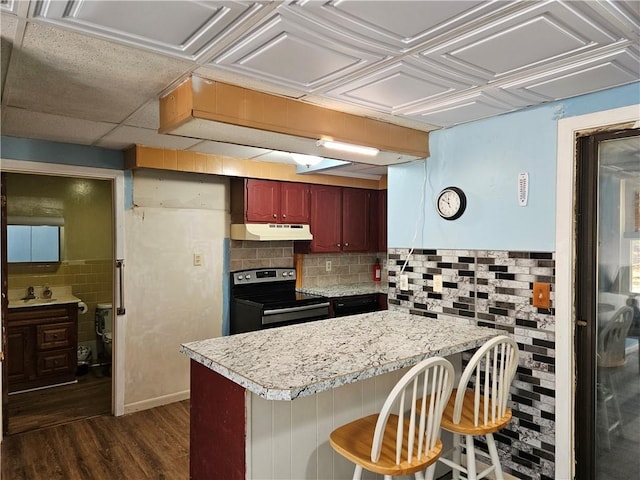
(586, 272)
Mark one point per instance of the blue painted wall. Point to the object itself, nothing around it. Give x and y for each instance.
(484, 159)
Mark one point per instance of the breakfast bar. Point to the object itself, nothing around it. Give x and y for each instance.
(263, 403)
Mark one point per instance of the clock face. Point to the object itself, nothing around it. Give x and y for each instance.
(451, 203)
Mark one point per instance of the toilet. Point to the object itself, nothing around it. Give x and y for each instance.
(104, 332)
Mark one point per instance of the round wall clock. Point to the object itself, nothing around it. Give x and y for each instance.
(451, 203)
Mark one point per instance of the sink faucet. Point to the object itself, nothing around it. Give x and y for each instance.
(30, 294)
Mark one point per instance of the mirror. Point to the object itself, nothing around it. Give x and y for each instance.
(33, 243)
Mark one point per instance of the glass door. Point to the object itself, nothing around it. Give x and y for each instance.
(607, 296)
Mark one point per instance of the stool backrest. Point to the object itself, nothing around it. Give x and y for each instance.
(612, 339)
(489, 374)
(431, 380)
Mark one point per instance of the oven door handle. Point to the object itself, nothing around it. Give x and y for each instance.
(295, 309)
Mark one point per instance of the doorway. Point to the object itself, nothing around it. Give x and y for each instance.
(82, 210)
(607, 400)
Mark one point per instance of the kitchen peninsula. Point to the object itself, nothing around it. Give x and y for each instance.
(263, 403)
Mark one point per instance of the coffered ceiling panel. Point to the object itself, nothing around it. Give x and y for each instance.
(179, 28)
(299, 54)
(91, 71)
(398, 27)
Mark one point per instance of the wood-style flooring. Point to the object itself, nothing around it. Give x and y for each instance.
(151, 444)
(90, 396)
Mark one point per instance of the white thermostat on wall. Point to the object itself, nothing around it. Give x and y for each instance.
(523, 188)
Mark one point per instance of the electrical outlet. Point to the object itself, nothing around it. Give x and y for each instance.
(197, 259)
(437, 283)
(404, 282)
(327, 265)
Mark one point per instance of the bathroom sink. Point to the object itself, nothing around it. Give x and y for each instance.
(37, 301)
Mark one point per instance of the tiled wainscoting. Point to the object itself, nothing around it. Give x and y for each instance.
(493, 289)
(90, 280)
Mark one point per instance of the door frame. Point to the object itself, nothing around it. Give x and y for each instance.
(568, 130)
(118, 200)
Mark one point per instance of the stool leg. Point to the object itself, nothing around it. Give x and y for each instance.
(419, 475)
(457, 454)
(471, 458)
(495, 459)
(431, 472)
(357, 473)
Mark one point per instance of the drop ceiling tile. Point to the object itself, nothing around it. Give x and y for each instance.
(124, 136)
(17, 122)
(147, 116)
(177, 28)
(396, 26)
(8, 24)
(276, 156)
(300, 55)
(228, 149)
(74, 75)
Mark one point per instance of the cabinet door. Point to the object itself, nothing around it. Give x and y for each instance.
(294, 203)
(20, 355)
(326, 218)
(356, 235)
(382, 221)
(262, 201)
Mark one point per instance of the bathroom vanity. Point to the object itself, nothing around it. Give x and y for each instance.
(263, 403)
(41, 343)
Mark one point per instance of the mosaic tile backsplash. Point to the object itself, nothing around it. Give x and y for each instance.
(494, 289)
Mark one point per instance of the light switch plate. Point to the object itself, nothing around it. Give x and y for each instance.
(541, 295)
(437, 283)
(404, 282)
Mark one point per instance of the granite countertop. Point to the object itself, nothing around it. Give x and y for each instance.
(59, 295)
(300, 360)
(333, 291)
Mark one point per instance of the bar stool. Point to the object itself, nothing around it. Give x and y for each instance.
(406, 442)
(479, 405)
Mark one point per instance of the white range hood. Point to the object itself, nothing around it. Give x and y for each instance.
(270, 231)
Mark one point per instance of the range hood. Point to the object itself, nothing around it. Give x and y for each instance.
(270, 231)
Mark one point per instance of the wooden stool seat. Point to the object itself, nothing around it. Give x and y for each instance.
(404, 438)
(354, 441)
(467, 426)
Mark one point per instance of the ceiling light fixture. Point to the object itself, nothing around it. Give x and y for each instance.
(347, 147)
(305, 160)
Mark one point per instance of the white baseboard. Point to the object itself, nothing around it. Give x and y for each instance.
(156, 402)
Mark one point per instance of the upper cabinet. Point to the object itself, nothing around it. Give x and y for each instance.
(268, 201)
(341, 220)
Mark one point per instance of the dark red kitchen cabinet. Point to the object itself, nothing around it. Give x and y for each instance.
(356, 219)
(269, 201)
(326, 218)
(382, 221)
(262, 201)
(294, 202)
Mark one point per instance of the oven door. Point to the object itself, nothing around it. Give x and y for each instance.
(297, 314)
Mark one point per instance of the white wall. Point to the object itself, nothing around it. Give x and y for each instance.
(170, 301)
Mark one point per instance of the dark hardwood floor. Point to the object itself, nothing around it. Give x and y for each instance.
(48, 407)
(151, 444)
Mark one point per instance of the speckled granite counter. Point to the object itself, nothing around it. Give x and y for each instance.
(333, 291)
(300, 360)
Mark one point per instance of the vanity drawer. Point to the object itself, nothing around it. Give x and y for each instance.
(55, 335)
(57, 362)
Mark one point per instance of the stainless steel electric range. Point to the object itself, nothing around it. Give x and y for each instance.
(267, 297)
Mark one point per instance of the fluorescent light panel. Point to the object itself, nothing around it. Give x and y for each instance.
(347, 147)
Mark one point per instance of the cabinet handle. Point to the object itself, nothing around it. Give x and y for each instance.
(275, 216)
(284, 216)
(346, 244)
(338, 244)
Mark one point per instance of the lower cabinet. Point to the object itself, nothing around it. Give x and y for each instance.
(41, 346)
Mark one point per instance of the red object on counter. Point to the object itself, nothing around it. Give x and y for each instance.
(377, 271)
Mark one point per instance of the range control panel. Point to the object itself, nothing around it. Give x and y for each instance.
(263, 275)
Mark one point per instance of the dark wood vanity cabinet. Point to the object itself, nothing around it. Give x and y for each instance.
(41, 346)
